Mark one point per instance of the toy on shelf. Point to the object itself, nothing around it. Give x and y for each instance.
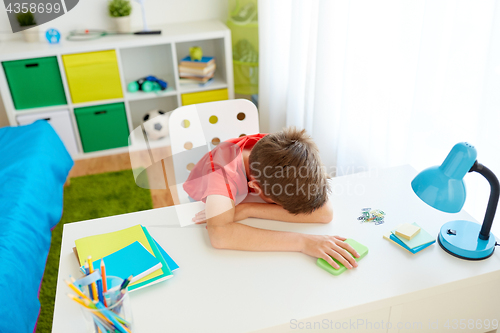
(53, 36)
(155, 124)
(196, 53)
(147, 84)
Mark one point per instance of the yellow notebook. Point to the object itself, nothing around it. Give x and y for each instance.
(102, 245)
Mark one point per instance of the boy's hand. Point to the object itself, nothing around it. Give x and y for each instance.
(325, 247)
(200, 217)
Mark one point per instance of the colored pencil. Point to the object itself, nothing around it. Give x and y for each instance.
(104, 281)
(96, 311)
(120, 295)
(87, 271)
(111, 316)
(77, 299)
(126, 282)
(116, 316)
(94, 286)
(76, 289)
(99, 291)
(105, 323)
(103, 275)
(87, 304)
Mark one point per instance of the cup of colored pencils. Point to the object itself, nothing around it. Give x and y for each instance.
(104, 301)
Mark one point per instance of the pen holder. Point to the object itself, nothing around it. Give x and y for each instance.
(116, 316)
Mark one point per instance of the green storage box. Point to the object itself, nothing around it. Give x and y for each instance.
(244, 26)
(102, 126)
(35, 82)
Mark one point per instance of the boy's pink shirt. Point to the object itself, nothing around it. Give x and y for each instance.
(222, 171)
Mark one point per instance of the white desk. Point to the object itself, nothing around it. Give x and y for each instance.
(233, 291)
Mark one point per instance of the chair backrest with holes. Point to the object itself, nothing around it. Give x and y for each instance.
(196, 129)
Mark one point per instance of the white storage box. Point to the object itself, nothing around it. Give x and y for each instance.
(61, 123)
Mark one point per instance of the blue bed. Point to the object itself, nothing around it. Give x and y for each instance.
(34, 165)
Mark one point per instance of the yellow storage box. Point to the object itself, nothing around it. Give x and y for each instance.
(93, 76)
(205, 96)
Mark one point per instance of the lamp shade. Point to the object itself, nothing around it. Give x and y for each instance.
(442, 187)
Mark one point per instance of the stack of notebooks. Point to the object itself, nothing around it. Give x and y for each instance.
(410, 237)
(196, 71)
(127, 252)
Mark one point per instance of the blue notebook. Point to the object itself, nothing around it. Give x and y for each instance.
(170, 262)
(203, 59)
(133, 260)
(415, 249)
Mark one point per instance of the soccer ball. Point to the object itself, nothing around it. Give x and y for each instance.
(155, 124)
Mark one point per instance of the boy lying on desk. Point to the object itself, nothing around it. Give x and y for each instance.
(285, 170)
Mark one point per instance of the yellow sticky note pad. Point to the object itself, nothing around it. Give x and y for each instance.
(407, 231)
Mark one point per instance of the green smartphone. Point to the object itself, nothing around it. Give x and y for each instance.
(360, 248)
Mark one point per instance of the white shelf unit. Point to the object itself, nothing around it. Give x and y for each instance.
(137, 57)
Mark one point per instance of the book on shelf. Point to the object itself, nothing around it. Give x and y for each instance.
(208, 75)
(197, 71)
(204, 62)
(184, 81)
(197, 79)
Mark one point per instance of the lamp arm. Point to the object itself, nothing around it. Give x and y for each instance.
(492, 202)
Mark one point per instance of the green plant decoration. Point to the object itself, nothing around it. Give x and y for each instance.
(26, 19)
(119, 8)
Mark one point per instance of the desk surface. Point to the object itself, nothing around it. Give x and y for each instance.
(235, 291)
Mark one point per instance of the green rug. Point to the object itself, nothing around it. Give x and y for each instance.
(88, 197)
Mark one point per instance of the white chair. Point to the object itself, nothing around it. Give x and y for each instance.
(197, 129)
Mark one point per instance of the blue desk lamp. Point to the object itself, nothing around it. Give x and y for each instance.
(443, 188)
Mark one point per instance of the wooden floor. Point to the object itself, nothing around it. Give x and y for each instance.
(160, 197)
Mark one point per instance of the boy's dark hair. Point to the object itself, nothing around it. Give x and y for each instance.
(289, 170)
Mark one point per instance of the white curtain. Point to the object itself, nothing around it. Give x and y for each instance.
(385, 83)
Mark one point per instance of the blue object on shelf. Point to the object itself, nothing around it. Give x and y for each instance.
(53, 36)
(442, 187)
(161, 83)
(147, 84)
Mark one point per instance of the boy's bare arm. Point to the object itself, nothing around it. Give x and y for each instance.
(278, 213)
(224, 233)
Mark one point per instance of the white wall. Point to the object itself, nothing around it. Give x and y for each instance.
(92, 14)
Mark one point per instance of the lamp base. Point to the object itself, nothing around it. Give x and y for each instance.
(460, 238)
